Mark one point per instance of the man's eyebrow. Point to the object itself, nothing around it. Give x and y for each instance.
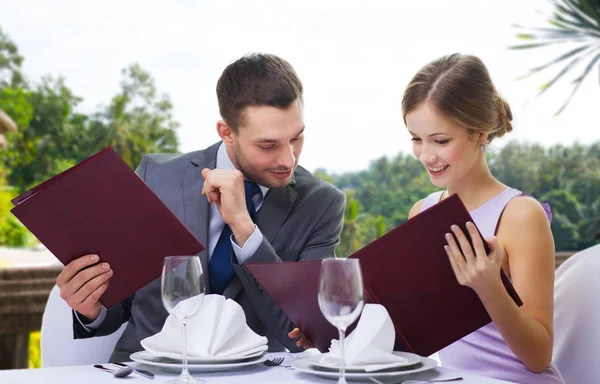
(265, 140)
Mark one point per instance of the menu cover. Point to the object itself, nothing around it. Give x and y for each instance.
(100, 206)
(407, 271)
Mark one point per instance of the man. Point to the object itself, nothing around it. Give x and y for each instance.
(288, 215)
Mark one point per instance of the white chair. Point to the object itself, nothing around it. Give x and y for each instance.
(577, 317)
(58, 347)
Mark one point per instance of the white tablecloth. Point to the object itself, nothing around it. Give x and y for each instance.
(260, 374)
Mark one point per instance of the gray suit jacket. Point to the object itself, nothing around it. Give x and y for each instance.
(302, 221)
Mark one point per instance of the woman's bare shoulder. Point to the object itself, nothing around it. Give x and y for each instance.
(416, 209)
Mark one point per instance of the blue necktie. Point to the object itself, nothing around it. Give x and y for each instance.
(220, 270)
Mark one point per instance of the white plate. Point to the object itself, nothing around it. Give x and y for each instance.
(303, 365)
(411, 359)
(144, 357)
(174, 358)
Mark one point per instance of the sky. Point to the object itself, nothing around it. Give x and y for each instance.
(354, 58)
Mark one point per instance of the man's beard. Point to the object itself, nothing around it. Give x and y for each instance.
(252, 173)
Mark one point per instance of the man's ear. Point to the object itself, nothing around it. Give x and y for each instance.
(225, 132)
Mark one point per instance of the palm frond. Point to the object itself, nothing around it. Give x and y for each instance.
(585, 13)
(587, 9)
(573, 22)
(578, 81)
(564, 23)
(533, 45)
(544, 87)
(560, 58)
(574, 17)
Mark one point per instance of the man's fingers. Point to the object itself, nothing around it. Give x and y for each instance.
(91, 286)
(71, 269)
(210, 187)
(304, 342)
(91, 305)
(215, 196)
(82, 278)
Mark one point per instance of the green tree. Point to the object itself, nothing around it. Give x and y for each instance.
(137, 121)
(360, 227)
(577, 23)
(567, 177)
(350, 239)
(10, 62)
(53, 136)
(322, 174)
(50, 131)
(566, 218)
(12, 232)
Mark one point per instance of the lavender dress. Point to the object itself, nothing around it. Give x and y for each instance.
(484, 351)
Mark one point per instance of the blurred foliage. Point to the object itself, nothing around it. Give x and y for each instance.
(53, 136)
(35, 354)
(568, 178)
(575, 24)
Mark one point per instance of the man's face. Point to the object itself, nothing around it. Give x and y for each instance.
(268, 144)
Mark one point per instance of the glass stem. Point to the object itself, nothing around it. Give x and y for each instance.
(342, 379)
(184, 371)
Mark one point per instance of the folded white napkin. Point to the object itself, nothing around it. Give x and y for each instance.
(370, 344)
(218, 329)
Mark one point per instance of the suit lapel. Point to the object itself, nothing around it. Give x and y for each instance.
(276, 208)
(196, 210)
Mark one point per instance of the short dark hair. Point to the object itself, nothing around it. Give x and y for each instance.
(254, 80)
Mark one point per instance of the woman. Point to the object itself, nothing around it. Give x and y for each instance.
(453, 111)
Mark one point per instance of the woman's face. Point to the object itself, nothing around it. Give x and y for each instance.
(448, 150)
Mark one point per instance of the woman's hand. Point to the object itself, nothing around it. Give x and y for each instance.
(302, 340)
(472, 267)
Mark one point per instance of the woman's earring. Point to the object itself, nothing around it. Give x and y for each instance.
(482, 146)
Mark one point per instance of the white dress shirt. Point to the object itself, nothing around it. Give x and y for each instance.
(216, 220)
(215, 228)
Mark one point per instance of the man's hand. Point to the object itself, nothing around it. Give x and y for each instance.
(302, 340)
(81, 288)
(225, 188)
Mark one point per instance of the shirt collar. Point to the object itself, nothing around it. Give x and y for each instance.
(224, 162)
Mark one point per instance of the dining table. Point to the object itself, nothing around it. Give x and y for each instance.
(261, 373)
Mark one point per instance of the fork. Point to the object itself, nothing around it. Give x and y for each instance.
(412, 381)
(273, 363)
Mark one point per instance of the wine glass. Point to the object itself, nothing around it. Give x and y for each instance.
(181, 280)
(341, 298)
